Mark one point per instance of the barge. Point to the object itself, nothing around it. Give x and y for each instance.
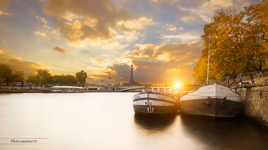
(213, 100)
(158, 103)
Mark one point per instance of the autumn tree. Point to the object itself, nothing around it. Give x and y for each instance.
(257, 21)
(33, 80)
(81, 78)
(9, 76)
(236, 43)
(64, 80)
(18, 76)
(5, 74)
(43, 76)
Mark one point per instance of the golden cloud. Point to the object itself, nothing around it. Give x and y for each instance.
(19, 64)
(83, 19)
(3, 7)
(2, 13)
(3, 4)
(80, 20)
(39, 33)
(203, 10)
(182, 37)
(189, 19)
(160, 63)
(135, 24)
(60, 49)
(173, 28)
(165, 1)
(45, 30)
(2, 52)
(173, 52)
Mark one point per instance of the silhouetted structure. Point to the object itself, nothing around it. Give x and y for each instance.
(131, 79)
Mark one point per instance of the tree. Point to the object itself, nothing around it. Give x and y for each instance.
(81, 78)
(64, 80)
(258, 22)
(237, 43)
(5, 74)
(44, 77)
(33, 80)
(18, 76)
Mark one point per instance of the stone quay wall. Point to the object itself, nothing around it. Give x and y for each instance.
(255, 101)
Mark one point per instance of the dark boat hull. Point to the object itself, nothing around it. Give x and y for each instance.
(151, 103)
(219, 108)
(154, 110)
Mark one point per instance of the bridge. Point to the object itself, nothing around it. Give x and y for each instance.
(130, 88)
(140, 88)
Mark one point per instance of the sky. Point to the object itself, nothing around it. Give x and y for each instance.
(161, 38)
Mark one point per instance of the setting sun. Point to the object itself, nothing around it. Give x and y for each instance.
(177, 85)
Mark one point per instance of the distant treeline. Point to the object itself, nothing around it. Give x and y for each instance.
(41, 78)
(237, 43)
(8, 76)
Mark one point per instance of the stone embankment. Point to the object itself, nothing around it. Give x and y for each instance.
(255, 99)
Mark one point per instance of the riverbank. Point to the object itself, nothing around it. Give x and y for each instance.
(33, 91)
(43, 90)
(255, 101)
(10, 91)
(49, 90)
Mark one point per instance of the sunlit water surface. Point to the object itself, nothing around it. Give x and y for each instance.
(106, 121)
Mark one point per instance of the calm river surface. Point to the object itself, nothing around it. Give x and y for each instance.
(106, 121)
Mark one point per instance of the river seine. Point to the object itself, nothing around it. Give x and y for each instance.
(106, 121)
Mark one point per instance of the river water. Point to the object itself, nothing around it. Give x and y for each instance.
(106, 121)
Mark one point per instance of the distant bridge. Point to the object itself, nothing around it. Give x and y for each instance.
(154, 88)
(130, 88)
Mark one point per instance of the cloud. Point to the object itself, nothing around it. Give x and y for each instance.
(120, 72)
(3, 7)
(39, 33)
(2, 52)
(3, 4)
(128, 32)
(135, 24)
(182, 37)
(159, 63)
(110, 50)
(217, 3)
(2, 13)
(173, 28)
(45, 30)
(205, 9)
(99, 61)
(199, 11)
(19, 64)
(96, 26)
(165, 1)
(82, 19)
(60, 49)
(189, 19)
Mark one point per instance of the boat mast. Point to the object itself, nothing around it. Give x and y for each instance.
(208, 59)
(208, 55)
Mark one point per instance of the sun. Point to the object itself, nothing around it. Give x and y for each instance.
(177, 85)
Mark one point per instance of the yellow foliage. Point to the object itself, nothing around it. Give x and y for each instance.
(237, 43)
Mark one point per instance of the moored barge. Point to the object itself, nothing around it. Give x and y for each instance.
(213, 100)
(154, 103)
